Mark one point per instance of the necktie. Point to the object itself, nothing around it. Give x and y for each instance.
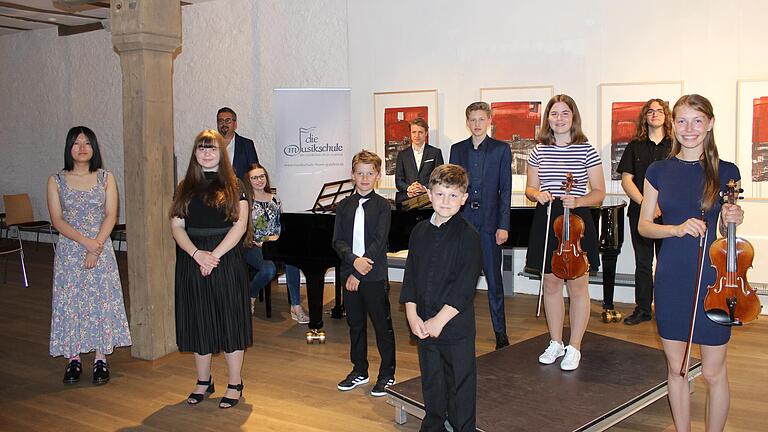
(358, 232)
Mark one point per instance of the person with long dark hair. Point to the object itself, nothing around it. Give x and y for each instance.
(684, 186)
(88, 313)
(209, 221)
(563, 149)
(266, 208)
(652, 142)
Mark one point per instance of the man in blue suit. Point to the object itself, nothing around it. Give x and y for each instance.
(243, 153)
(415, 164)
(489, 165)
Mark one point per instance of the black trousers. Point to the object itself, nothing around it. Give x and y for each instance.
(644, 250)
(449, 385)
(370, 300)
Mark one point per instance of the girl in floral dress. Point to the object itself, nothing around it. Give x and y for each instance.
(88, 314)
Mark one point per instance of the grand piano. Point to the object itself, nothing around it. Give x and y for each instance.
(306, 237)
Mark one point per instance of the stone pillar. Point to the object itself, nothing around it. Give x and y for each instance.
(146, 34)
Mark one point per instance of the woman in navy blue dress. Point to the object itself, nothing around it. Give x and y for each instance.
(683, 185)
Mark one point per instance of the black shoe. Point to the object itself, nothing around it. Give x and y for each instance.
(352, 380)
(198, 397)
(380, 388)
(229, 402)
(637, 317)
(501, 340)
(72, 372)
(100, 372)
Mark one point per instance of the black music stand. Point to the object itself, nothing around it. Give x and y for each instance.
(329, 197)
(331, 194)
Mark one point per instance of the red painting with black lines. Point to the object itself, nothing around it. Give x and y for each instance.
(397, 132)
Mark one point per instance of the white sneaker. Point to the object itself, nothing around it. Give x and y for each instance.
(553, 351)
(571, 360)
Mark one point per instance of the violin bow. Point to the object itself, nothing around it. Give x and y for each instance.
(544, 260)
(700, 270)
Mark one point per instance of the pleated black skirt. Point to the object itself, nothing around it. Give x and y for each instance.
(213, 313)
(589, 243)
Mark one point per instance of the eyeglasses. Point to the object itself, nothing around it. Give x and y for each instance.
(82, 144)
(206, 148)
(652, 112)
(259, 177)
(225, 120)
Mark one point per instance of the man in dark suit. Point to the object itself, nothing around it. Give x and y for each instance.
(489, 165)
(243, 153)
(415, 164)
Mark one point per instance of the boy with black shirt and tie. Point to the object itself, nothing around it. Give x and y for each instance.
(360, 239)
(441, 273)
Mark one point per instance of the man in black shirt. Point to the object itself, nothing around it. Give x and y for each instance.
(441, 273)
(652, 143)
(360, 239)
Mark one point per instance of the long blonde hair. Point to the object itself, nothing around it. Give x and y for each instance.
(710, 159)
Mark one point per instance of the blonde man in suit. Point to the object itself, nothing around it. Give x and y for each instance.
(415, 164)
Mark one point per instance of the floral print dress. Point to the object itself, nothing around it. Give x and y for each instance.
(88, 313)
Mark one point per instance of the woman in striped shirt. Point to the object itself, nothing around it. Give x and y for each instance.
(563, 149)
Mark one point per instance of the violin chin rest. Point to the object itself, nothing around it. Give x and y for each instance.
(722, 317)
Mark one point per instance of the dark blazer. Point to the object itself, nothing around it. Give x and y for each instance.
(245, 155)
(376, 236)
(406, 172)
(497, 180)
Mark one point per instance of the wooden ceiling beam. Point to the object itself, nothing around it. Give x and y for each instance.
(13, 28)
(65, 30)
(25, 8)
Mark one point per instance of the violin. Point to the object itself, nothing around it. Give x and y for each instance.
(730, 300)
(568, 260)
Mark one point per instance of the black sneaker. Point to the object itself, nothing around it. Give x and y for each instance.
(100, 372)
(380, 389)
(637, 317)
(352, 380)
(501, 340)
(72, 372)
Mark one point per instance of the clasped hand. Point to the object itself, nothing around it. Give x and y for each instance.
(207, 261)
(416, 188)
(424, 329)
(94, 248)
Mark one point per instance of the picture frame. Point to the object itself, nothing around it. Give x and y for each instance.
(392, 112)
(752, 137)
(516, 120)
(620, 105)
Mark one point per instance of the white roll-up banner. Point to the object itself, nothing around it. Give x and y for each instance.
(312, 144)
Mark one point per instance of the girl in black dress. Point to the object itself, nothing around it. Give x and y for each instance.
(209, 218)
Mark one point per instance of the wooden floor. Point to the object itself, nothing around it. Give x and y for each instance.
(289, 385)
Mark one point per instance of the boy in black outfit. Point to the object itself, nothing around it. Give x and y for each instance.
(441, 273)
(360, 238)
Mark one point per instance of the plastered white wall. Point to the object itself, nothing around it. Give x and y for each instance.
(236, 51)
(47, 85)
(458, 47)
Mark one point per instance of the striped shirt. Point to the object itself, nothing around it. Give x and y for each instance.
(554, 163)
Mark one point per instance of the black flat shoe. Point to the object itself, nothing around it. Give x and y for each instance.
(232, 402)
(198, 397)
(637, 317)
(100, 372)
(72, 372)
